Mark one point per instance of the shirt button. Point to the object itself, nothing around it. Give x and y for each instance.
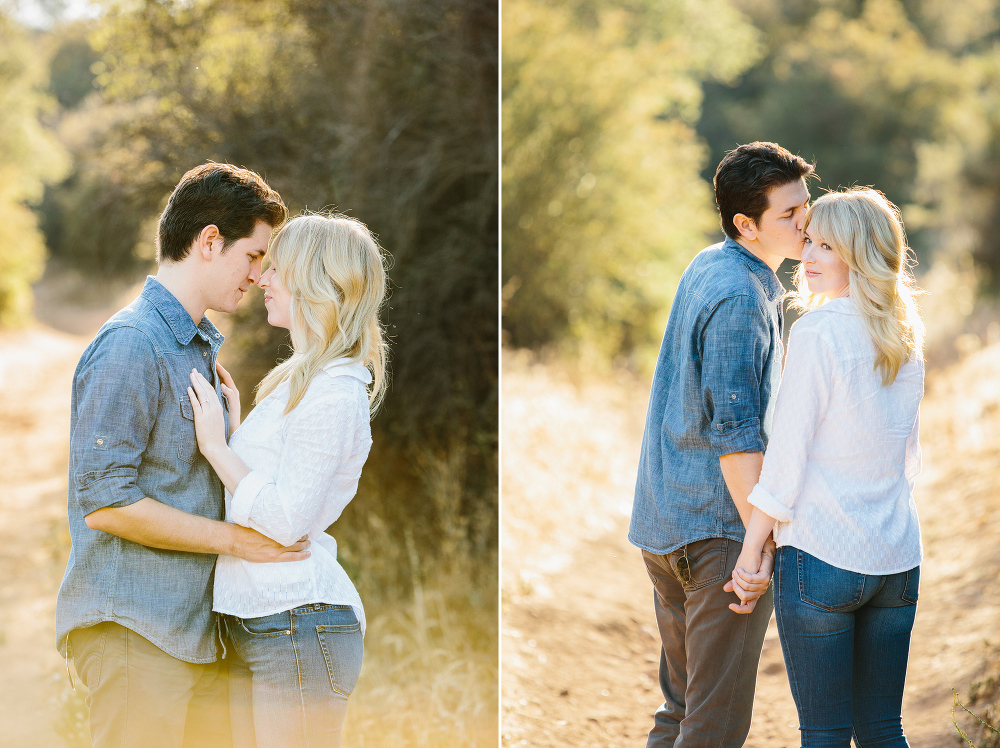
(100, 441)
(204, 353)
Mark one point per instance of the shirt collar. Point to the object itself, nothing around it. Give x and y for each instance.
(345, 367)
(758, 267)
(177, 317)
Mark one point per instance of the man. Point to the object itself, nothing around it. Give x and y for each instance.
(145, 508)
(709, 417)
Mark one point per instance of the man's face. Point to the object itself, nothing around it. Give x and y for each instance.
(780, 228)
(234, 272)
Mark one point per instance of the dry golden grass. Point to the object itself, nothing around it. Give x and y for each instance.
(579, 650)
(568, 468)
(430, 670)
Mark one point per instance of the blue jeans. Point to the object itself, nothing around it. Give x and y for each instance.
(846, 640)
(290, 675)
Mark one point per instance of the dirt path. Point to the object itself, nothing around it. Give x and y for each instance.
(36, 368)
(579, 642)
(37, 706)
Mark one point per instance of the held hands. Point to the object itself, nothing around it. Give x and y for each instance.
(751, 576)
(209, 418)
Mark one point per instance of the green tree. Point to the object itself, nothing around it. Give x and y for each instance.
(602, 204)
(29, 156)
(384, 109)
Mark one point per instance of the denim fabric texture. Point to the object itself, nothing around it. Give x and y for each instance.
(712, 394)
(291, 674)
(132, 436)
(846, 641)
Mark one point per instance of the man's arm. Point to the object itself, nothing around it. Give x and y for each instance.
(148, 522)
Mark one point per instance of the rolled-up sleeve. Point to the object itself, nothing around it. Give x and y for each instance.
(317, 441)
(736, 342)
(801, 405)
(117, 394)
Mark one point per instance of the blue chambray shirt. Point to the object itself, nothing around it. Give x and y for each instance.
(131, 436)
(713, 394)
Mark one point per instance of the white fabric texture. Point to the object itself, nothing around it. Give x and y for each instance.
(304, 470)
(840, 465)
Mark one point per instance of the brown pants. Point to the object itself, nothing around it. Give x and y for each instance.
(142, 697)
(709, 658)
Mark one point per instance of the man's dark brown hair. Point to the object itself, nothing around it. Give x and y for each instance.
(746, 176)
(228, 197)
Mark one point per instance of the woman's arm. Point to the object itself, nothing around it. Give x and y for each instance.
(318, 438)
(801, 405)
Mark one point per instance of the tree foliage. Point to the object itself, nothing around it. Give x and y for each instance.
(602, 204)
(608, 107)
(29, 156)
(900, 94)
(384, 109)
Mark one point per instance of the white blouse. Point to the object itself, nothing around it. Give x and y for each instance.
(843, 454)
(304, 470)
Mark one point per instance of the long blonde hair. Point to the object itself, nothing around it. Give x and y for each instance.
(864, 229)
(334, 270)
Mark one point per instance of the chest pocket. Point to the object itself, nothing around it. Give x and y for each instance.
(187, 437)
(187, 440)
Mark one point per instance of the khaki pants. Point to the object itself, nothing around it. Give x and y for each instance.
(709, 658)
(142, 697)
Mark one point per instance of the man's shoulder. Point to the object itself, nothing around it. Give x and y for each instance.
(717, 274)
(136, 329)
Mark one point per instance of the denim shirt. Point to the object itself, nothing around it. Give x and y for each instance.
(132, 436)
(712, 395)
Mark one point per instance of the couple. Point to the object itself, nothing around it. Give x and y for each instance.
(198, 537)
(828, 506)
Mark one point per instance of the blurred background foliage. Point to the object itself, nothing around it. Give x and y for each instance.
(642, 99)
(383, 109)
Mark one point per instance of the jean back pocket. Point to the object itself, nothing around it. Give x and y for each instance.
(826, 586)
(342, 645)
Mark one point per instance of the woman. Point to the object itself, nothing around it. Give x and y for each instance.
(838, 477)
(295, 630)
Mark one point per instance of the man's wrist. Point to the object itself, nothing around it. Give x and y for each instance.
(228, 539)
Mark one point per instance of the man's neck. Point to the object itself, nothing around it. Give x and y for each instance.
(175, 277)
(754, 248)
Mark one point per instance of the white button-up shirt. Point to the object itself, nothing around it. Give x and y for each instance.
(304, 470)
(840, 466)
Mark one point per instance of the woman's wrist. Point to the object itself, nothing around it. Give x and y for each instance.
(215, 452)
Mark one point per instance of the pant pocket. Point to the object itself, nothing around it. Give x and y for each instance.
(88, 653)
(343, 650)
(826, 586)
(912, 588)
(705, 561)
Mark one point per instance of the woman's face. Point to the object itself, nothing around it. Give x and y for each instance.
(277, 300)
(825, 272)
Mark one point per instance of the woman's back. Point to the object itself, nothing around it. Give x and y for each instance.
(839, 469)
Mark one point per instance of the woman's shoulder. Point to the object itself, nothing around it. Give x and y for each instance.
(338, 385)
(826, 320)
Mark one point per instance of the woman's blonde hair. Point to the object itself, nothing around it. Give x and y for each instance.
(334, 270)
(864, 229)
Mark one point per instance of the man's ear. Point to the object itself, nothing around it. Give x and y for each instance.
(207, 239)
(746, 226)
